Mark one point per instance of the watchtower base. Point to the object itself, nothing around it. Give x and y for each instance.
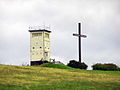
(37, 62)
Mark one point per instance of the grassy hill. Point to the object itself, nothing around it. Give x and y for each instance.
(44, 78)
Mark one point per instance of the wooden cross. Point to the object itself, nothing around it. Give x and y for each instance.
(79, 39)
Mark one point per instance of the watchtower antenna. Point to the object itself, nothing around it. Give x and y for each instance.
(43, 27)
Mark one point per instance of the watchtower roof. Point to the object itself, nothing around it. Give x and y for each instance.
(39, 29)
(42, 30)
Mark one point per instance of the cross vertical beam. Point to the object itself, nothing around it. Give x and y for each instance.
(79, 40)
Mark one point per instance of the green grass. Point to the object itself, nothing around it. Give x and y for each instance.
(59, 66)
(44, 78)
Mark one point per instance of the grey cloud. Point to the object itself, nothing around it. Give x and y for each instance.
(100, 22)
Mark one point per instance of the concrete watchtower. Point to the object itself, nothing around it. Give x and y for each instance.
(39, 44)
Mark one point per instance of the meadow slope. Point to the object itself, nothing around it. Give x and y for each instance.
(43, 78)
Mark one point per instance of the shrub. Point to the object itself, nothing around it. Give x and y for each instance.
(73, 64)
(59, 66)
(83, 66)
(76, 64)
(118, 69)
(105, 67)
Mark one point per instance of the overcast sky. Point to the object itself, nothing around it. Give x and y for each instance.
(100, 22)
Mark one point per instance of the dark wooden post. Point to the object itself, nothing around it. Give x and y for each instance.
(79, 40)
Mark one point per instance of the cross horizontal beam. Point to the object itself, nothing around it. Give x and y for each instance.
(84, 36)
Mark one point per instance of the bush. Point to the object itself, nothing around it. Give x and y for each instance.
(118, 69)
(76, 64)
(106, 67)
(59, 66)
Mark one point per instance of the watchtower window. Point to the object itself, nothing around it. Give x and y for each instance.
(46, 54)
(46, 35)
(36, 34)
